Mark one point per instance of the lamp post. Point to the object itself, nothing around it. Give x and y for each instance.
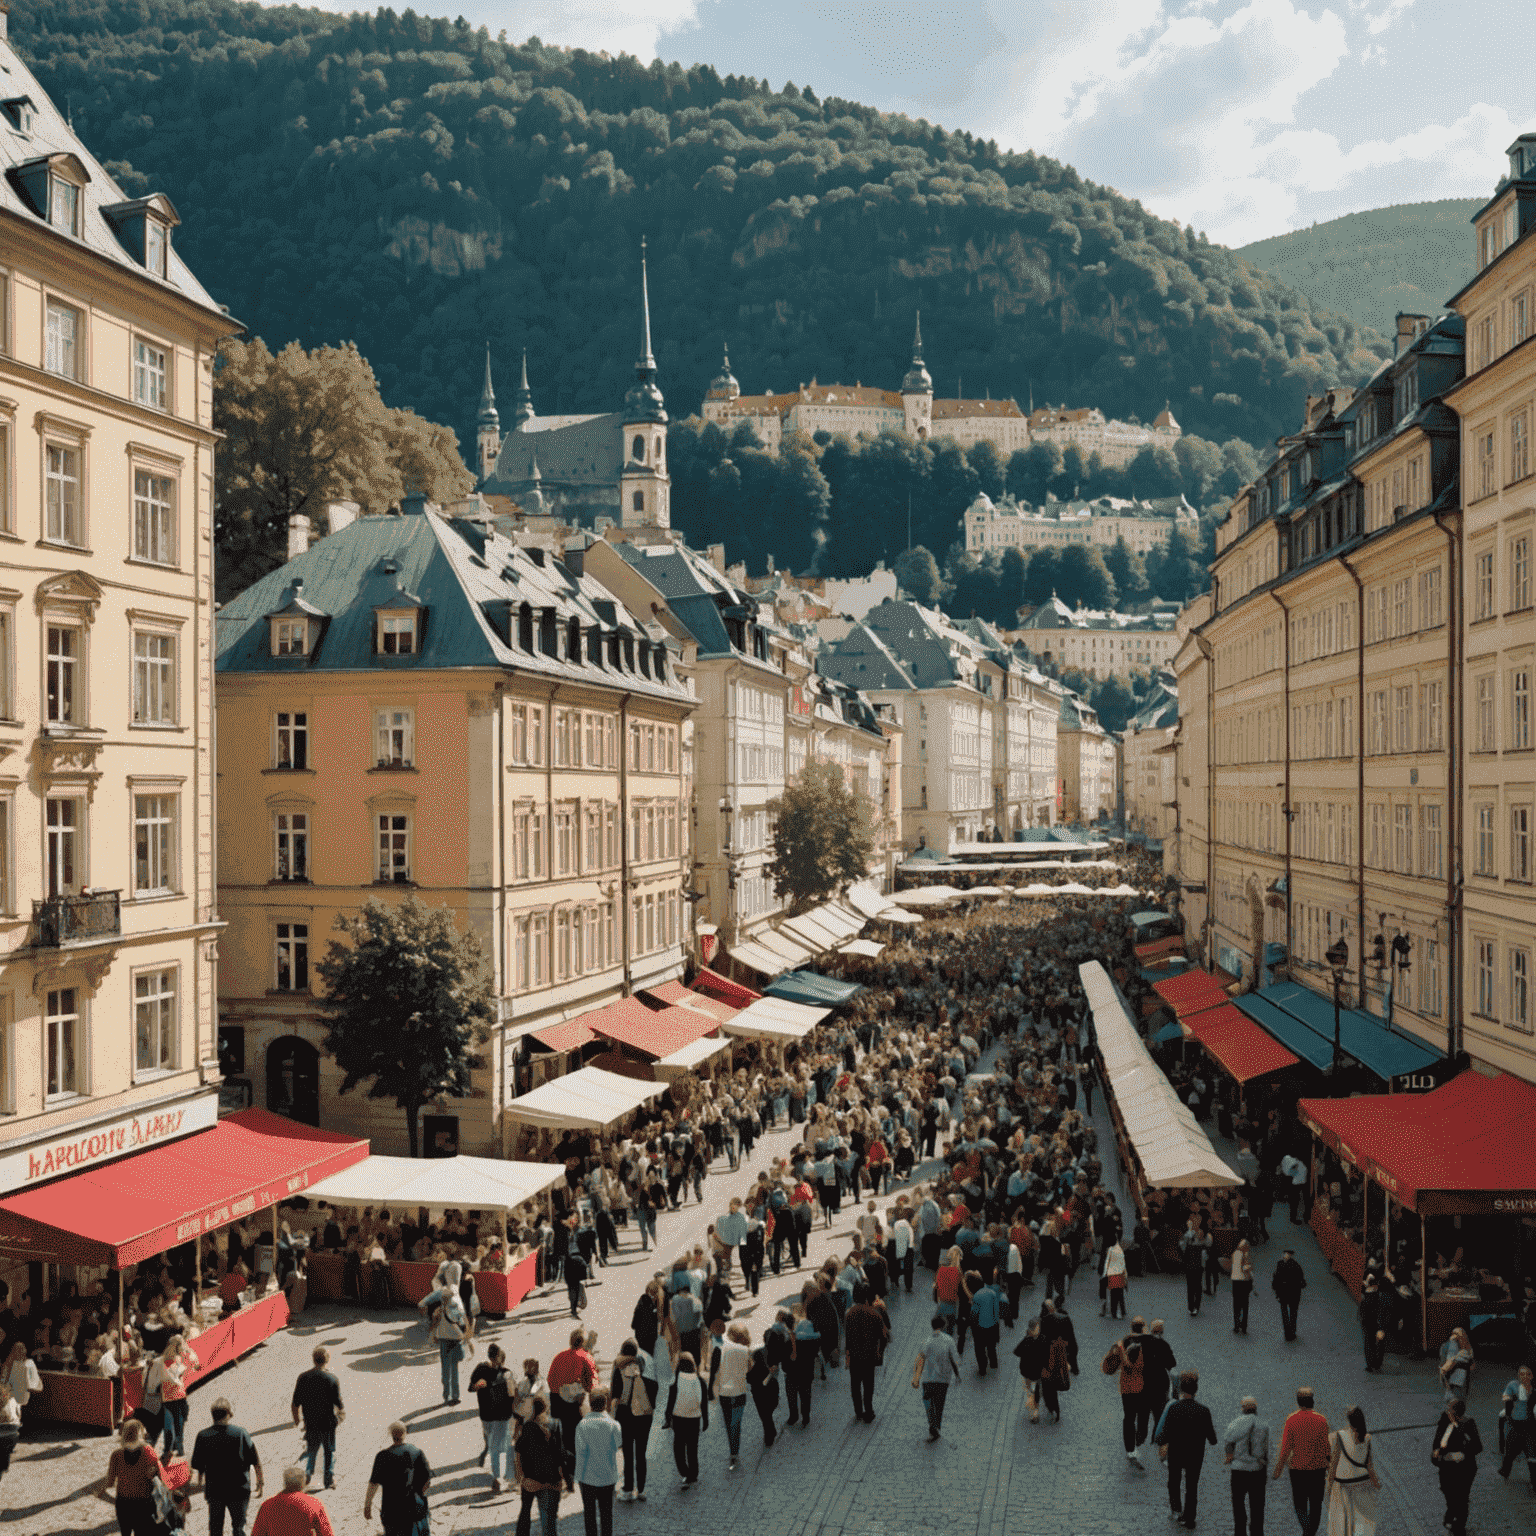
(1337, 956)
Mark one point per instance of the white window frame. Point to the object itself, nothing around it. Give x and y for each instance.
(291, 636)
(1520, 573)
(63, 346)
(294, 725)
(1520, 844)
(7, 443)
(1519, 708)
(1482, 582)
(70, 832)
(290, 943)
(166, 815)
(61, 202)
(395, 627)
(292, 829)
(63, 492)
(159, 1002)
(1486, 1000)
(63, 1005)
(156, 678)
(392, 724)
(151, 361)
(1519, 997)
(394, 835)
(7, 1054)
(154, 516)
(1484, 858)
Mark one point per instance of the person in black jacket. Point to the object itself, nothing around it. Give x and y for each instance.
(1375, 1315)
(1288, 1283)
(1454, 1451)
(1182, 1437)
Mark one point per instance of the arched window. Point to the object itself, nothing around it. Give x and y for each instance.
(639, 501)
(638, 449)
(656, 451)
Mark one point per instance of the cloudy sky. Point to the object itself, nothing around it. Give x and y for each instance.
(1242, 117)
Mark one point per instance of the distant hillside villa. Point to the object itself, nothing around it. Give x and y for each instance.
(1115, 442)
(862, 408)
(1144, 525)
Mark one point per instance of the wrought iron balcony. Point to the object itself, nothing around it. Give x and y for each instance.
(59, 920)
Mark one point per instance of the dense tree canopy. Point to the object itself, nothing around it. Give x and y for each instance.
(822, 835)
(420, 187)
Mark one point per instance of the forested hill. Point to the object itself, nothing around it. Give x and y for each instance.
(1409, 258)
(420, 187)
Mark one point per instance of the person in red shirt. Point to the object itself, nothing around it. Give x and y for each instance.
(1304, 1445)
(571, 1375)
(292, 1512)
(132, 1471)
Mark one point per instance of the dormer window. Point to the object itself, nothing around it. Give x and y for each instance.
(295, 627)
(397, 634)
(290, 637)
(157, 244)
(63, 204)
(22, 114)
(144, 226)
(54, 185)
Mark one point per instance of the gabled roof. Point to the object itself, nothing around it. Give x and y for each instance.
(470, 580)
(566, 450)
(50, 136)
(863, 660)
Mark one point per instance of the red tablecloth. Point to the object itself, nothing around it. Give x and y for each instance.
(221, 1344)
(499, 1293)
(1344, 1257)
(75, 1399)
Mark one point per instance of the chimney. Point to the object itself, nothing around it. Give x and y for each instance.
(1409, 329)
(298, 526)
(338, 514)
(717, 557)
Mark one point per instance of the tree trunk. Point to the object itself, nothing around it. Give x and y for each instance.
(411, 1112)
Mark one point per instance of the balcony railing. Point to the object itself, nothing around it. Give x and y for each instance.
(59, 920)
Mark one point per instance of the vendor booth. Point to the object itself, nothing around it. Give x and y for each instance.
(694, 1056)
(813, 989)
(121, 1213)
(435, 1184)
(774, 1018)
(590, 1098)
(1462, 1160)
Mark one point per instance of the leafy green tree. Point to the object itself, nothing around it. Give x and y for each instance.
(1128, 571)
(1083, 579)
(303, 429)
(1072, 482)
(986, 462)
(1201, 465)
(1041, 575)
(822, 835)
(976, 587)
(1154, 472)
(407, 998)
(918, 573)
(1176, 573)
(1032, 472)
(1114, 701)
(1013, 569)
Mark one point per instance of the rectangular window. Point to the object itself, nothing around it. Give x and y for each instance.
(538, 945)
(1519, 989)
(154, 844)
(1402, 839)
(61, 1026)
(1431, 607)
(1484, 723)
(1520, 843)
(61, 489)
(1431, 842)
(61, 353)
(63, 820)
(148, 375)
(290, 637)
(153, 518)
(1485, 464)
(154, 679)
(290, 830)
(292, 957)
(1519, 447)
(1482, 586)
(1519, 709)
(561, 738)
(394, 733)
(565, 840)
(1487, 1001)
(1483, 846)
(394, 847)
(1431, 717)
(611, 836)
(521, 970)
(562, 945)
(154, 1021)
(397, 634)
(5, 444)
(1429, 978)
(592, 826)
(1519, 318)
(64, 205)
(1402, 734)
(1520, 573)
(292, 740)
(65, 700)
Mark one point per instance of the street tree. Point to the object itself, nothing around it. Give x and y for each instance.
(822, 835)
(918, 574)
(407, 998)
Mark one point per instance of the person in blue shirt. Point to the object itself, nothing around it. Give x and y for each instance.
(986, 1324)
(599, 1440)
(1520, 1424)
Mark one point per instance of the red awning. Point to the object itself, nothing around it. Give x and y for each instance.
(713, 984)
(1466, 1148)
(568, 1036)
(656, 1034)
(1172, 945)
(1190, 991)
(126, 1211)
(1237, 1043)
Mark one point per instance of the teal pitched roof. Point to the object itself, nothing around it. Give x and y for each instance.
(471, 583)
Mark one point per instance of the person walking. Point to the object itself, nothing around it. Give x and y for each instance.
(687, 1417)
(176, 1359)
(450, 1325)
(1352, 1479)
(1288, 1282)
(1454, 1451)
(399, 1480)
(936, 1367)
(728, 1383)
(1033, 1354)
(1374, 1316)
(865, 1335)
(1294, 1171)
(1246, 1447)
(632, 1394)
(986, 1324)
(1158, 1364)
(1304, 1448)
(572, 1374)
(1193, 1247)
(317, 1401)
(489, 1385)
(10, 1427)
(1456, 1365)
(293, 1512)
(1182, 1437)
(1127, 1361)
(1115, 1279)
(540, 1469)
(223, 1458)
(1520, 1424)
(1242, 1287)
(599, 1443)
(132, 1471)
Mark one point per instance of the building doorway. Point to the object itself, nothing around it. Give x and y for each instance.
(293, 1079)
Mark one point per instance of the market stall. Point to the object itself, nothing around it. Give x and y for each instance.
(120, 1213)
(692, 1057)
(590, 1098)
(1462, 1160)
(813, 989)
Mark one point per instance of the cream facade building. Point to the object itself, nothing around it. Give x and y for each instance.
(1144, 525)
(1089, 759)
(1099, 643)
(1147, 752)
(417, 704)
(108, 920)
(1115, 442)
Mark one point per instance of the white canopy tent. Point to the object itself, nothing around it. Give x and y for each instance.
(692, 1055)
(808, 929)
(842, 920)
(866, 947)
(590, 1097)
(900, 915)
(793, 951)
(1174, 1152)
(867, 901)
(776, 1019)
(931, 896)
(765, 962)
(439, 1183)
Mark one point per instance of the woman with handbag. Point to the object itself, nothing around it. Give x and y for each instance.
(540, 1470)
(632, 1390)
(174, 1362)
(1454, 1451)
(449, 1325)
(1033, 1354)
(1353, 1480)
(687, 1417)
(1115, 1278)
(132, 1471)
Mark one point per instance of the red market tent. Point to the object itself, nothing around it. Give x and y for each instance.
(653, 1033)
(713, 984)
(1191, 992)
(1237, 1043)
(676, 995)
(1172, 945)
(121, 1212)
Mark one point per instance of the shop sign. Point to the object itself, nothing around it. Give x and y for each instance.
(799, 701)
(1515, 1205)
(74, 1150)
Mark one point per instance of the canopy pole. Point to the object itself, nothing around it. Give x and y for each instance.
(122, 1346)
(1424, 1280)
(274, 1247)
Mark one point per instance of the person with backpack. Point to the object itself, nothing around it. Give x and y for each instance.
(632, 1391)
(449, 1327)
(1126, 1360)
(1246, 1446)
(488, 1381)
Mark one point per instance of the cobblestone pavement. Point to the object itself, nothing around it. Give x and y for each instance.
(992, 1472)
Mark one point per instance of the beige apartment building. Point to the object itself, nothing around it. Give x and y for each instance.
(1100, 643)
(1147, 755)
(1089, 759)
(1115, 442)
(108, 924)
(1494, 404)
(417, 704)
(1144, 525)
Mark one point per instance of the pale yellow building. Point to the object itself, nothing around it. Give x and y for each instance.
(418, 704)
(108, 925)
(1147, 753)
(1088, 758)
(1145, 525)
(1115, 442)
(1100, 643)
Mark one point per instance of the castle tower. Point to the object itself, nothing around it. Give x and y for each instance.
(917, 388)
(522, 401)
(487, 425)
(645, 491)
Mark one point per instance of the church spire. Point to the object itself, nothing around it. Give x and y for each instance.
(647, 358)
(918, 380)
(522, 401)
(917, 337)
(644, 401)
(488, 416)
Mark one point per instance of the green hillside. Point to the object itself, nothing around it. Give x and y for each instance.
(1371, 266)
(420, 188)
